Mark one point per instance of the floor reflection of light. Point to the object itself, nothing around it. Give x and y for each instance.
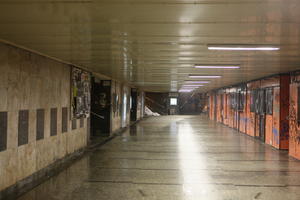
(196, 181)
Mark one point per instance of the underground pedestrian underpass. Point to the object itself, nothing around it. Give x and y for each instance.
(177, 157)
(149, 99)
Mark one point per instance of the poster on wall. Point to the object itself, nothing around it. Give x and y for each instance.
(81, 93)
(115, 104)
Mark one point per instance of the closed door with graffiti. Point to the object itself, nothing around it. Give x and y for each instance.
(260, 117)
(294, 117)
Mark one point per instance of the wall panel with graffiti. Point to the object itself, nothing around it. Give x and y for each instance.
(258, 108)
(294, 128)
(81, 93)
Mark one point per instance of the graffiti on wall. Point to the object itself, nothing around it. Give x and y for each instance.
(294, 133)
(81, 93)
(116, 104)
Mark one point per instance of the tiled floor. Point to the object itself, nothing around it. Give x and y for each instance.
(177, 158)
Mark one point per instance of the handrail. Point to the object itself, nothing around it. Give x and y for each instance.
(159, 105)
(97, 115)
(155, 102)
(186, 101)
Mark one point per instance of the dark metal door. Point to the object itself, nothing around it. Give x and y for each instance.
(262, 125)
(262, 114)
(133, 109)
(100, 108)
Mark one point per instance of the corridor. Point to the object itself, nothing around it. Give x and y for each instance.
(177, 158)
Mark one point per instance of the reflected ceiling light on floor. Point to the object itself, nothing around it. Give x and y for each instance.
(217, 66)
(186, 65)
(185, 90)
(242, 47)
(204, 76)
(188, 89)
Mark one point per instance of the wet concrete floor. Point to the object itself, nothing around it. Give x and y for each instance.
(177, 158)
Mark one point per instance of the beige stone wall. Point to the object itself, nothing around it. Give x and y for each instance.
(31, 82)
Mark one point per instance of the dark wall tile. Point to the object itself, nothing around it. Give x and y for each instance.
(81, 122)
(64, 121)
(3, 131)
(74, 124)
(23, 126)
(40, 124)
(53, 122)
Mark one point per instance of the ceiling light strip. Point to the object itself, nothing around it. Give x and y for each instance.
(204, 76)
(243, 47)
(196, 82)
(217, 67)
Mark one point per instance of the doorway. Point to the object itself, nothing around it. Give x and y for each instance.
(133, 105)
(262, 114)
(100, 108)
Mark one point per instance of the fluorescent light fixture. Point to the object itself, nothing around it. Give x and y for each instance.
(191, 82)
(204, 76)
(217, 66)
(192, 85)
(243, 47)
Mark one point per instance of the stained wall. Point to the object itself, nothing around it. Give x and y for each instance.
(36, 129)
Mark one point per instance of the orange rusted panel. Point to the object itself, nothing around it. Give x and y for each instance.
(294, 140)
(219, 109)
(243, 119)
(252, 119)
(242, 125)
(256, 134)
(269, 128)
(231, 118)
(235, 120)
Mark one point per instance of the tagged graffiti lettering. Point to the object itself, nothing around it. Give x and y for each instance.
(294, 133)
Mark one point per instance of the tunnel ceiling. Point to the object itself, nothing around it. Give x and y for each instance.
(154, 44)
